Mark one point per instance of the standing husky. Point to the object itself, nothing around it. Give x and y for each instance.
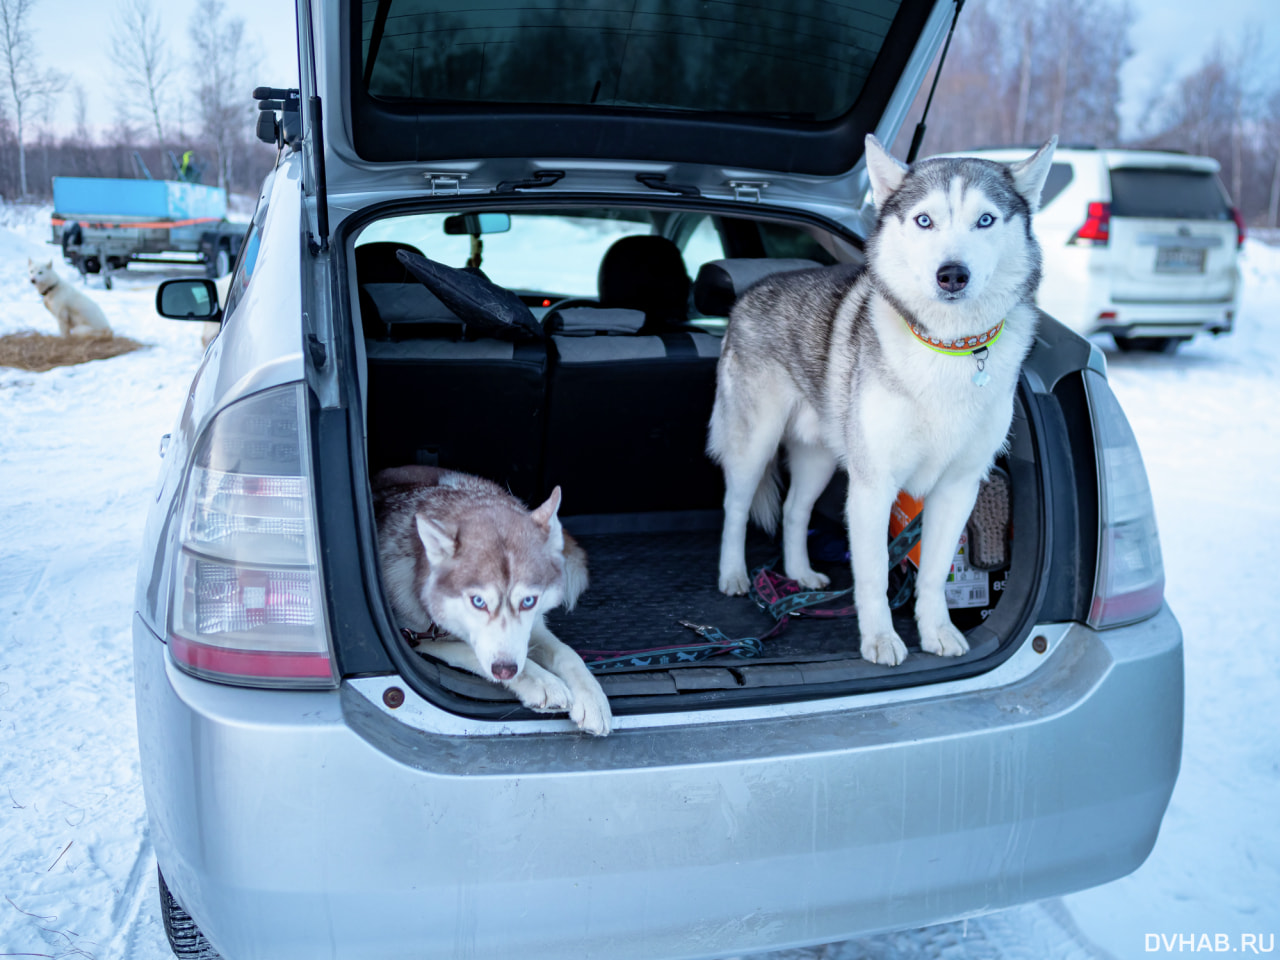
(902, 372)
(461, 556)
(77, 315)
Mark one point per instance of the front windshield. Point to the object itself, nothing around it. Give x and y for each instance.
(553, 253)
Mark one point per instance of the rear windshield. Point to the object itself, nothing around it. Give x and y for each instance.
(1168, 194)
(804, 60)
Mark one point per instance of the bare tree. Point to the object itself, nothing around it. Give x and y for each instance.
(1271, 132)
(1018, 73)
(222, 60)
(25, 82)
(142, 60)
(80, 112)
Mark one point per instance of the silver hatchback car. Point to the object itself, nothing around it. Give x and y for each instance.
(317, 788)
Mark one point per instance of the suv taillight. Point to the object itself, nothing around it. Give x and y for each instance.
(248, 602)
(1096, 227)
(1129, 585)
(1238, 217)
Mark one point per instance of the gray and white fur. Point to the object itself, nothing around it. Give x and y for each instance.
(461, 553)
(822, 364)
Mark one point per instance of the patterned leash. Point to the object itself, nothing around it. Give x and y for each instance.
(777, 596)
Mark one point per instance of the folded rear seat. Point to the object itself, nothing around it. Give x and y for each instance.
(627, 414)
(438, 398)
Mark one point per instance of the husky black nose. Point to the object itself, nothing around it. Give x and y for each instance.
(952, 277)
(503, 669)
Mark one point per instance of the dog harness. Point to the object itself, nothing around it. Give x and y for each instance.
(976, 347)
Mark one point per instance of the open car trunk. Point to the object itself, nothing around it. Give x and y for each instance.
(616, 415)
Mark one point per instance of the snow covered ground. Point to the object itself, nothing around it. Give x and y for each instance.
(78, 459)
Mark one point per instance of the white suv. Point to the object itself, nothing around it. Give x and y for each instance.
(1139, 244)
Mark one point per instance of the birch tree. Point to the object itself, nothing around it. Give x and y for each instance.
(221, 59)
(25, 83)
(143, 62)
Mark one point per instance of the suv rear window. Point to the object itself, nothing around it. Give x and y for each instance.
(806, 61)
(1168, 194)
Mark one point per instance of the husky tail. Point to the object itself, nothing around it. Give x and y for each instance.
(766, 503)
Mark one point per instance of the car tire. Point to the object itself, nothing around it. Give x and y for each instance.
(185, 939)
(1149, 344)
(220, 265)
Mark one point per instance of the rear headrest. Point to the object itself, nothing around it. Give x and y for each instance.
(646, 273)
(587, 321)
(721, 282)
(377, 263)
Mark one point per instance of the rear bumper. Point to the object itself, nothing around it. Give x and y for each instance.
(1165, 319)
(321, 825)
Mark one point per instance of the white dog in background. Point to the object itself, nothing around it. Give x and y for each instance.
(77, 315)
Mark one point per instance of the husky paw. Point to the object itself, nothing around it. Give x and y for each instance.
(540, 690)
(590, 709)
(810, 579)
(735, 583)
(884, 648)
(944, 641)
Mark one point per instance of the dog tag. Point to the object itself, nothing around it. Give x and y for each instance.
(980, 376)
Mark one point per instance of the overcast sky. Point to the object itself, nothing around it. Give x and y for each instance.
(1169, 39)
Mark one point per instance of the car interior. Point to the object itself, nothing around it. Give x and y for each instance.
(609, 399)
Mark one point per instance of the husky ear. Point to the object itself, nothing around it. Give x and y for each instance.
(438, 539)
(545, 517)
(885, 171)
(575, 572)
(547, 512)
(1029, 174)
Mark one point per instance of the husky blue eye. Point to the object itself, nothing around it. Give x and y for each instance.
(924, 221)
(986, 220)
(528, 602)
(477, 601)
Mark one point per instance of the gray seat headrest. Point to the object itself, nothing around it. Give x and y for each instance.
(721, 282)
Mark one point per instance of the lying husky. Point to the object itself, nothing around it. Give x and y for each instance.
(462, 557)
(77, 315)
(902, 372)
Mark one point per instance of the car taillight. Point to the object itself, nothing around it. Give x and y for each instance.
(1129, 585)
(1238, 217)
(248, 602)
(1096, 227)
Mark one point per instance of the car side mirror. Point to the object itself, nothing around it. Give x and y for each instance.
(188, 299)
(475, 224)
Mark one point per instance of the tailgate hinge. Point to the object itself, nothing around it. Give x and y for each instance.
(445, 184)
(748, 191)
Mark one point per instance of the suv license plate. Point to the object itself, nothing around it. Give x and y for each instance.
(1179, 260)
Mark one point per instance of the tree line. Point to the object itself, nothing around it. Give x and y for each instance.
(173, 118)
(1018, 73)
(1015, 74)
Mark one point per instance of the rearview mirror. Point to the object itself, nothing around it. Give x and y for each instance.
(188, 299)
(474, 224)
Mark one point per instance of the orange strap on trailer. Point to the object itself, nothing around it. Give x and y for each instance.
(157, 225)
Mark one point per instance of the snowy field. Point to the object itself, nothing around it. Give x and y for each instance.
(78, 460)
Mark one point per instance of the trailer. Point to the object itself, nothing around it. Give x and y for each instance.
(103, 224)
